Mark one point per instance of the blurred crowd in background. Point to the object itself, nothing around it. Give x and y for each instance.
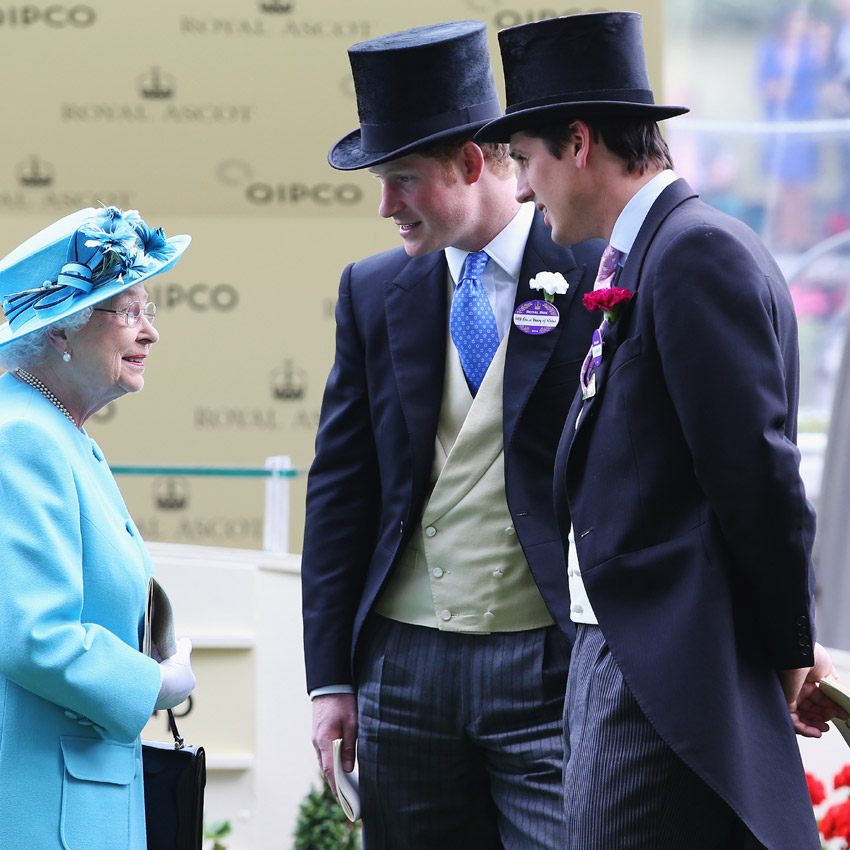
(768, 140)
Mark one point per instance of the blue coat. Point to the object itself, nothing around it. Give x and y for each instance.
(689, 515)
(75, 692)
(375, 445)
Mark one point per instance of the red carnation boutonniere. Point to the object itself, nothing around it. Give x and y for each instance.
(608, 301)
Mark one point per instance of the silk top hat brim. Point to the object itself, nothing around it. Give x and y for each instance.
(416, 88)
(578, 66)
(44, 259)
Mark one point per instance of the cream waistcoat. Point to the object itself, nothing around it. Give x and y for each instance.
(464, 569)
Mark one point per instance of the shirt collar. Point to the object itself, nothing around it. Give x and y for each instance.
(636, 210)
(506, 249)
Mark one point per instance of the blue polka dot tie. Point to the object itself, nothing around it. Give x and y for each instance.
(472, 323)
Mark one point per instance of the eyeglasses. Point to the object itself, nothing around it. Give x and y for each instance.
(133, 312)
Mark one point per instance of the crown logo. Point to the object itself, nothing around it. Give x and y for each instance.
(155, 85)
(274, 7)
(34, 172)
(289, 382)
(171, 494)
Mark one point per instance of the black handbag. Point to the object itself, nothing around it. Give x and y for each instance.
(175, 776)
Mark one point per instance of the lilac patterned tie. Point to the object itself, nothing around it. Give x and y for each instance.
(472, 323)
(608, 266)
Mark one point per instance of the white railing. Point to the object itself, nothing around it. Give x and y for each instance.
(278, 472)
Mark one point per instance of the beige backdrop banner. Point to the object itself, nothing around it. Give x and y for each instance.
(215, 119)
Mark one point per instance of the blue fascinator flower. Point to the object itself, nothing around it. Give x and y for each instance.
(153, 242)
(111, 232)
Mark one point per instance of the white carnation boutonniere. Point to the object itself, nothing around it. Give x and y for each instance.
(552, 284)
(538, 317)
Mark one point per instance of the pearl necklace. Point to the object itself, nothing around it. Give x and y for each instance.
(35, 383)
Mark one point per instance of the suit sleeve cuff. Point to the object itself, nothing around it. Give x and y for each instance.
(331, 689)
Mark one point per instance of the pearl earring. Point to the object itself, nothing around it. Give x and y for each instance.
(66, 356)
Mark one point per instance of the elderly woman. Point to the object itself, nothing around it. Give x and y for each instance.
(75, 691)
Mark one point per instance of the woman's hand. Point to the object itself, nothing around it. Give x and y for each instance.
(178, 680)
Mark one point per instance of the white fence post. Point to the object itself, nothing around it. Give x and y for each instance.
(276, 523)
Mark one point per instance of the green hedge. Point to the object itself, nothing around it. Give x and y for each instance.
(322, 824)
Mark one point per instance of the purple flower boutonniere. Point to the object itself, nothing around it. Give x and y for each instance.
(609, 301)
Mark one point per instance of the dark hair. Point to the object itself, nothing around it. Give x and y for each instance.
(638, 141)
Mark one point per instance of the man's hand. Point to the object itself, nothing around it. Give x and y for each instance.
(334, 716)
(810, 708)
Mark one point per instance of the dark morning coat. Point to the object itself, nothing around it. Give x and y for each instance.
(691, 523)
(375, 445)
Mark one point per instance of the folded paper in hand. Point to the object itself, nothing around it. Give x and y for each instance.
(838, 693)
(347, 785)
(158, 636)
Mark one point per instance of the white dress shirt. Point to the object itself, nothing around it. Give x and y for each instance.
(500, 276)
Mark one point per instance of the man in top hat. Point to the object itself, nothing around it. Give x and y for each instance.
(677, 475)
(436, 618)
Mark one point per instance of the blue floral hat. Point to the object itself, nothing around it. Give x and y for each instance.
(78, 261)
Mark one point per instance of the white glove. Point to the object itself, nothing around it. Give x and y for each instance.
(178, 680)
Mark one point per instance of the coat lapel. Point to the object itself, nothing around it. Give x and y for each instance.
(528, 355)
(674, 195)
(416, 309)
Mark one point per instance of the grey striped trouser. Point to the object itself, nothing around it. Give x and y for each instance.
(461, 738)
(624, 788)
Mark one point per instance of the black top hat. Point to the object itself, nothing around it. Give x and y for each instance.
(417, 87)
(578, 66)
